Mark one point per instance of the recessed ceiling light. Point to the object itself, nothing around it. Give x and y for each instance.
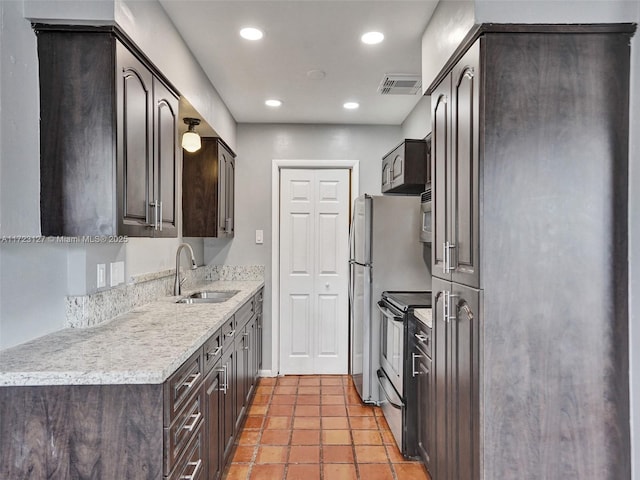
(371, 38)
(316, 74)
(251, 33)
(351, 105)
(272, 102)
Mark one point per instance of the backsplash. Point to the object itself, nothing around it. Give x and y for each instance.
(88, 310)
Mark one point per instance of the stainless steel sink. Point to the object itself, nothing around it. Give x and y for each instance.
(209, 296)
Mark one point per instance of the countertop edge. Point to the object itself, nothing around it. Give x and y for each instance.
(71, 377)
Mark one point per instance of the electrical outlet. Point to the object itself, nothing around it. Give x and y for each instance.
(101, 281)
(259, 237)
(117, 273)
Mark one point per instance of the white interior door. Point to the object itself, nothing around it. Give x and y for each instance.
(314, 238)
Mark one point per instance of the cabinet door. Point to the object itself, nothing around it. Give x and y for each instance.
(464, 388)
(228, 403)
(440, 164)
(464, 228)
(135, 147)
(214, 408)
(442, 396)
(425, 412)
(386, 175)
(397, 168)
(240, 376)
(230, 190)
(165, 163)
(456, 314)
(222, 192)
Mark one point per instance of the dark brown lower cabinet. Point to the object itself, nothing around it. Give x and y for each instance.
(182, 429)
(456, 395)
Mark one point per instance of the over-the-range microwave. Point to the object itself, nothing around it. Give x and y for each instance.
(426, 230)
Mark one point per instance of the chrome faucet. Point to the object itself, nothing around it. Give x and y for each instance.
(178, 283)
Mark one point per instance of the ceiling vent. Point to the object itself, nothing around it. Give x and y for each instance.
(400, 84)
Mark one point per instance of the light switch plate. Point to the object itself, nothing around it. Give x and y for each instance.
(117, 273)
(259, 237)
(101, 280)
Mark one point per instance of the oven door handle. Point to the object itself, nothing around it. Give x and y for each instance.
(384, 390)
(388, 313)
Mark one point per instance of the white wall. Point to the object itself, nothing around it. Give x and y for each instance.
(258, 145)
(418, 122)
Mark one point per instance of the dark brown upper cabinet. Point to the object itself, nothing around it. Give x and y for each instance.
(208, 188)
(109, 139)
(405, 169)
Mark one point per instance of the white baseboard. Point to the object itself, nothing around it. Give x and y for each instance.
(266, 373)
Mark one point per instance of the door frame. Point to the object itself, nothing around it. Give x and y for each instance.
(277, 165)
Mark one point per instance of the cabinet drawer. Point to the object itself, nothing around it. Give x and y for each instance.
(244, 314)
(212, 350)
(182, 385)
(228, 332)
(191, 464)
(182, 430)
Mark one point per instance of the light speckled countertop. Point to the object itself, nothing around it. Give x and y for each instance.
(144, 346)
(424, 315)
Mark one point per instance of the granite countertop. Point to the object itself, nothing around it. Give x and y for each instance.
(424, 315)
(143, 346)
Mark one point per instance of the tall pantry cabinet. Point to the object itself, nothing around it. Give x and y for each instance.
(529, 167)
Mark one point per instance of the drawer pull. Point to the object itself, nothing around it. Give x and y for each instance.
(215, 353)
(231, 333)
(196, 418)
(421, 337)
(190, 383)
(225, 382)
(413, 364)
(196, 468)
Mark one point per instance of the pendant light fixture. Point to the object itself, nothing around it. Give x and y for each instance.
(190, 138)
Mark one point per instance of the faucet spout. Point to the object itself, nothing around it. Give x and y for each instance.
(177, 284)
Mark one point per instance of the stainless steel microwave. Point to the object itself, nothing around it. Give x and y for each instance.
(426, 229)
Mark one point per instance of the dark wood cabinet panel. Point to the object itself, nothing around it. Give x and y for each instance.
(108, 126)
(208, 191)
(166, 158)
(405, 168)
(213, 388)
(530, 171)
(62, 432)
(76, 183)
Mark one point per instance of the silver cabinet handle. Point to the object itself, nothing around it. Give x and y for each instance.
(225, 383)
(413, 364)
(246, 336)
(223, 387)
(196, 418)
(446, 307)
(231, 333)
(160, 217)
(215, 352)
(193, 379)
(196, 468)
(447, 267)
(422, 338)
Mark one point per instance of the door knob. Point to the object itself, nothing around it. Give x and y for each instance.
(326, 285)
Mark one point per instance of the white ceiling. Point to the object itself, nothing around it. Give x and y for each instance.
(299, 36)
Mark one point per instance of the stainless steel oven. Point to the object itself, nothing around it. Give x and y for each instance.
(394, 308)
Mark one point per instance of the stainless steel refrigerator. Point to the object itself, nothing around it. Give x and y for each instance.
(384, 254)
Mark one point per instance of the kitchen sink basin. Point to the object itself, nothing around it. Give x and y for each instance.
(209, 296)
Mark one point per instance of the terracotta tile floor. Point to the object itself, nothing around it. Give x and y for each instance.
(316, 428)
